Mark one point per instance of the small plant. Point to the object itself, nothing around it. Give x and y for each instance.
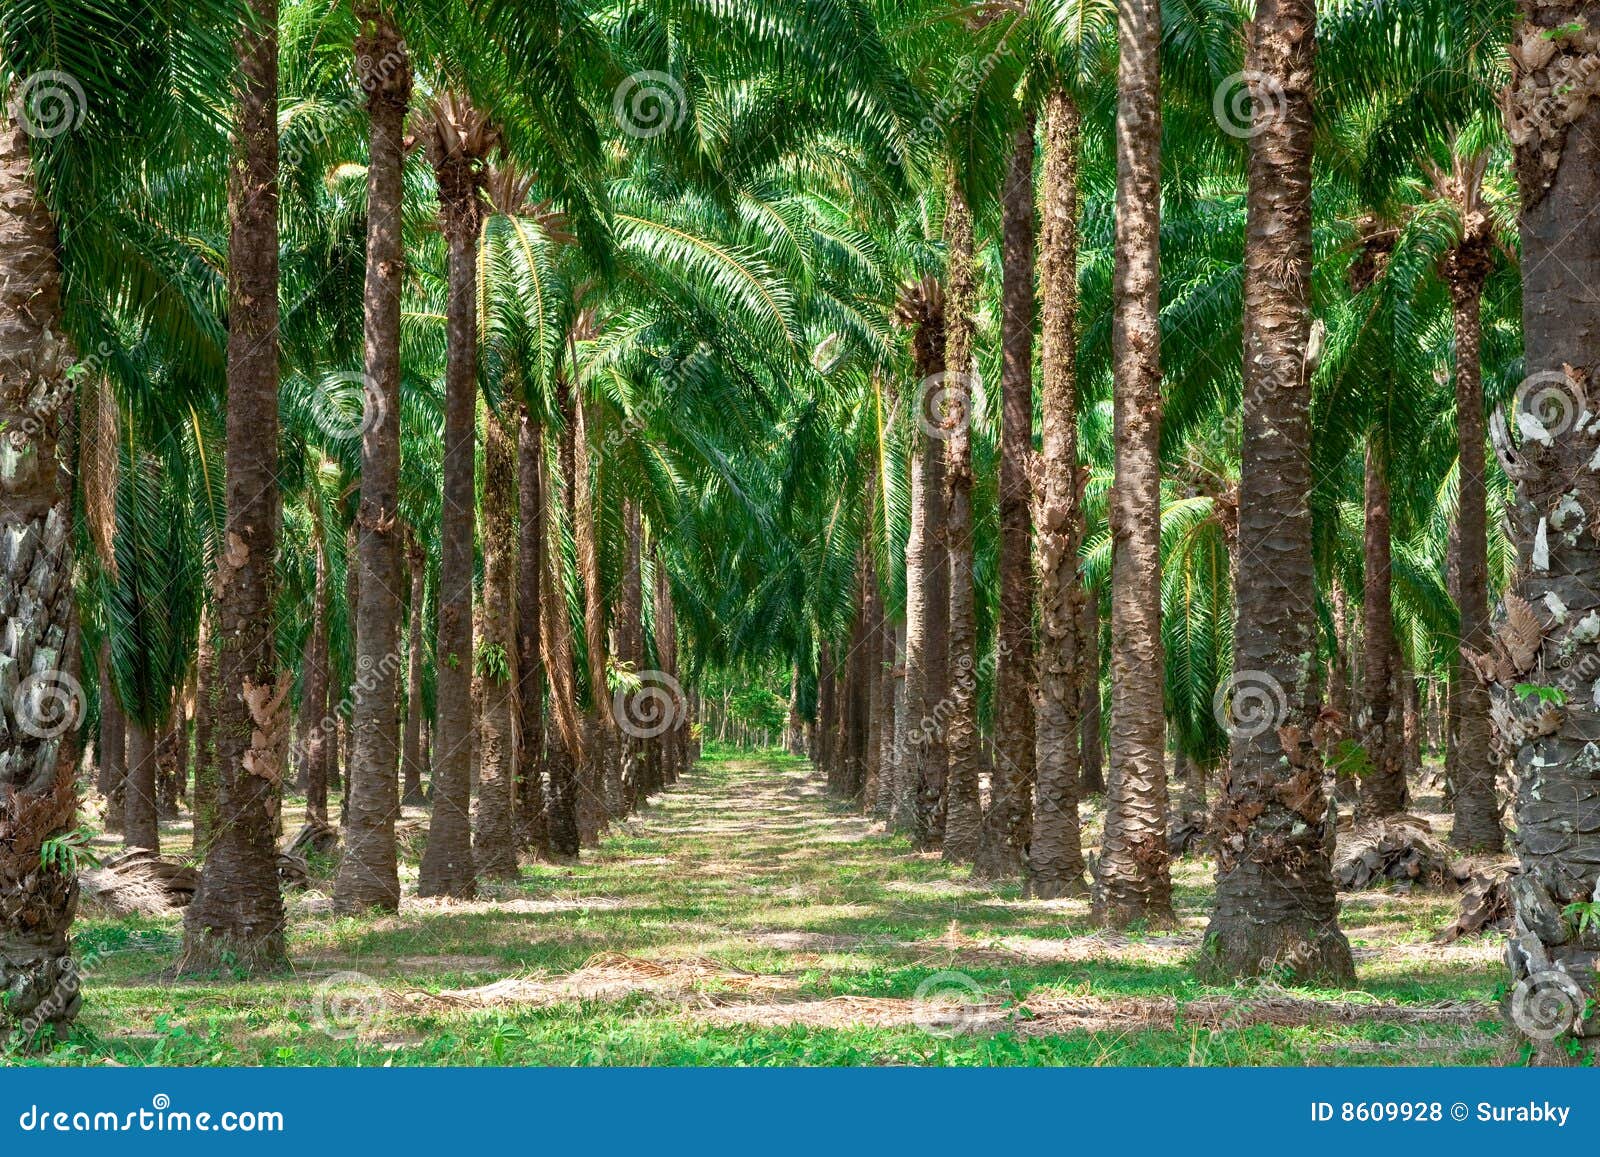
(1582, 915)
(65, 853)
(493, 662)
(1543, 694)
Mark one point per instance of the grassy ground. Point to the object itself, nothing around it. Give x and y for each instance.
(743, 920)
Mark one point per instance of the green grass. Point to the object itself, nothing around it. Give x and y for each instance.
(746, 865)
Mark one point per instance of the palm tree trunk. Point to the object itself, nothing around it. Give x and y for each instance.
(1553, 964)
(603, 774)
(1467, 738)
(140, 823)
(1091, 740)
(949, 789)
(1135, 882)
(555, 635)
(530, 663)
(369, 877)
(951, 704)
(495, 832)
(411, 751)
(1055, 855)
(113, 769)
(630, 647)
(314, 705)
(1008, 824)
(447, 868)
(167, 765)
(40, 643)
(205, 754)
(1275, 908)
(1383, 788)
(676, 755)
(237, 916)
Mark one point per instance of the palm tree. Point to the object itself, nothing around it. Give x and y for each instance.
(963, 811)
(1275, 907)
(1549, 129)
(533, 800)
(494, 842)
(459, 139)
(1465, 269)
(369, 871)
(1008, 822)
(1134, 879)
(237, 914)
(1055, 856)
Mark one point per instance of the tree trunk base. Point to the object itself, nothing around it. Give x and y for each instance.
(38, 977)
(1264, 925)
(210, 950)
(1043, 886)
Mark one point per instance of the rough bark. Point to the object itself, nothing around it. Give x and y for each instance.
(1008, 822)
(951, 695)
(1091, 743)
(602, 771)
(1276, 911)
(922, 308)
(369, 877)
(167, 736)
(39, 647)
(457, 145)
(411, 744)
(206, 784)
(1055, 854)
(113, 765)
(140, 826)
(494, 844)
(630, 651)
(1134, 882)
(314, 696)
(963, 820)
(1469, 750)
(530, 662)
(555, 645)
(1556, 131)
(1383, 786)
(236, 918)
